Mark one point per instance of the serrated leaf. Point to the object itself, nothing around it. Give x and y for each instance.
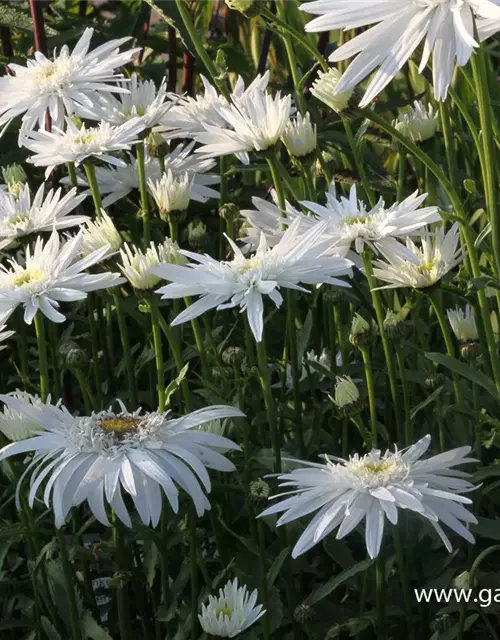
(464, 370)
(13, 18)
(91, 629)
(330, 586)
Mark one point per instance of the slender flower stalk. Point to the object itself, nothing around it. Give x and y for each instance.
(158, 347)
(94, 186)
(143, 188)
(42, 356)
(70, 586)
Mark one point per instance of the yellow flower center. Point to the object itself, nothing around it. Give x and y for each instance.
(120, 425)
(251, 263)
(19, 219)
(426, 267)
(224, 609)
(350, 220)
(86, 138)
(378, 467)
(47, 72)
(29, 276)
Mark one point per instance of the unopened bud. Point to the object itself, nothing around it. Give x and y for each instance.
(303, 613)
(362, 331)
(198, 237)
(248, 8)
(233, 356)
(259, 491)
(72, 354)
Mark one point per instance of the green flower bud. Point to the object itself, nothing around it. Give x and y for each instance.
(249, 8)
(72, 354)
(303, 613)
(362, 332)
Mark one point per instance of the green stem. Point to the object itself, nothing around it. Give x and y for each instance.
(193, 542)
(401, 175)
(263, 578)
(299, 37)
(70, 586)
(292, 61)
(275, 177)
(158, 347)
(197, 42)
(450, 349)
(358, 161)
(478, 63)
(54, 344)
(124, 337)
(265, 383)
(143, 189)
(365, 354)
(296, 370)
(380, 597)
(94, 187)
(449, 145)
(177, 355)
(122, 589)
(72, 174)
(377, 305)
(406, 396)
(405, 584)
(96, 369)
(88, 398)
(42, 355)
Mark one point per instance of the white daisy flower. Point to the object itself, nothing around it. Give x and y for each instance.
(93, 458)
(51, 273)
(445, 26)
(190, 115)
(463, 324)
(55, 147)
(254, 124)
(266, 219)
(300, 136)
(171, 193)
(231, 613)
(140, 100)
(65, 85)
(118, 182)
(420, 267)
(419, 123)
(244, 281)
(374, 487)
(137, 264)
(350, 223)
(13, 423)
(99, 233)
(20, 216)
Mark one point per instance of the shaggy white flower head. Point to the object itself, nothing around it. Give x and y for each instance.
(325, 89)
(20, 216)
(445, 26)
(244, 281)
(300, 136)
(350, 223)
(137, 264)
(231, 613)
(76, 144)
(13, 423)
(420, 266)
(171, 193)
(190, 115)
(374, 487)
(346, 391)
(51, 273)
(67, 84)
(463, 324)
(253, 124)
(92, 458)
(418, 122)
(140, 100)
(267, 219)
(99, 233)
(118, 182)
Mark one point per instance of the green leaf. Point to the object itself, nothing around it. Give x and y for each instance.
(151, 555)
(333, 583)
(91, 629)
(304, 335)
(464, 370)
(425, 403)
(171, 16)
(487, 528)
(275, 568)
(175, 384)
(49, 629)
